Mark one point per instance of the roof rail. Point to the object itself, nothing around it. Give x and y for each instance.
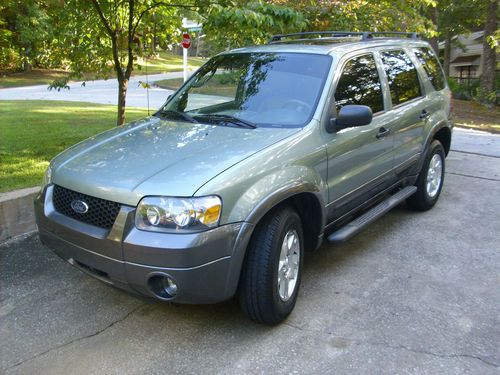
(364, 35)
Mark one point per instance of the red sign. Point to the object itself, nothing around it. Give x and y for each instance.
(186, 40)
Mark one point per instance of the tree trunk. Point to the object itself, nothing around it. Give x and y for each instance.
(122, 94)
(447, 53)
(487, 81)
(27, 66)
(434, 41)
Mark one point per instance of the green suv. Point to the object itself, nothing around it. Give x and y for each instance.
(261, 155)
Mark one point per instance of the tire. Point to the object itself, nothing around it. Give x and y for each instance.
(427, 195)
(260, 297)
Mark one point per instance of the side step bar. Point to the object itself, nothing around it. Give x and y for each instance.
(357, 225)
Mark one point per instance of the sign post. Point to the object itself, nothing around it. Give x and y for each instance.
(186, 43)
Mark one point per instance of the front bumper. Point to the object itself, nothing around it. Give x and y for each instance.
(205, 265)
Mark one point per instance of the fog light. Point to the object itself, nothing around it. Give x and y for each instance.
(163, 286)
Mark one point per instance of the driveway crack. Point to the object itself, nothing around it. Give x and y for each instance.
(476, 153)
(125, 317)
(396, 347)
(471, 176)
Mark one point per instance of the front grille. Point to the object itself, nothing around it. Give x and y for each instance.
(101, 213)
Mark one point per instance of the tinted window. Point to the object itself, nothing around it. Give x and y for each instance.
(360, 84)
(402, 76)
(431, 67)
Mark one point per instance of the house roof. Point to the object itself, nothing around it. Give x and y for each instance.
(472, 38)
(473, 60)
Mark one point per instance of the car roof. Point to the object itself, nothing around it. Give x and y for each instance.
(329, 47)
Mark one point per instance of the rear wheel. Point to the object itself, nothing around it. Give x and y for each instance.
(271, 273)
(430, 179)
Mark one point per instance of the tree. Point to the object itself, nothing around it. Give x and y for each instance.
(362, 15)
(455, 18)
(487, 92)
(24, 32)
(93, 35)
(231, 24)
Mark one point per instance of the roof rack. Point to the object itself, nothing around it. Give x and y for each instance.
(364, 35)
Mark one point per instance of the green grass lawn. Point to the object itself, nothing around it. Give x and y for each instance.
(35, 77)
(214, 88)
(170, 84)
(33, 132)
(164, 63)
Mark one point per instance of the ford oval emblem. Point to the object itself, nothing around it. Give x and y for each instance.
(80, 207)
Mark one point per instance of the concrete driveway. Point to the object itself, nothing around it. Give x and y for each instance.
(415, 293)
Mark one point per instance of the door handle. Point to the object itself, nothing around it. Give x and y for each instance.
(382, 132)
(424, 114)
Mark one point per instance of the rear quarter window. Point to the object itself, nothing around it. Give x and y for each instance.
(401, 75)
(431, 66)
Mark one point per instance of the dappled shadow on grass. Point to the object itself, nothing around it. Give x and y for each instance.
(33, 132)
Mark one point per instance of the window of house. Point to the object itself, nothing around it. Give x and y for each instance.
(360, 84)
(431, 66)
(401, 76)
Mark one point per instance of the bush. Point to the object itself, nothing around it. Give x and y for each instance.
(463, 91)
(9, 59)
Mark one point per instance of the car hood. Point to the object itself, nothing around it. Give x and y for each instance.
(157, 157)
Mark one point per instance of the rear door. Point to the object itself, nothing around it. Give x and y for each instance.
(360, 159)
(409, 107)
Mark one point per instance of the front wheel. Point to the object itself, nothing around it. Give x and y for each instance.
(430, 180)
(272, 270)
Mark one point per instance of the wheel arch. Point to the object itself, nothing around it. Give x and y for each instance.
(443, 135)
(309, 203)
(442, 132)
(310, 207)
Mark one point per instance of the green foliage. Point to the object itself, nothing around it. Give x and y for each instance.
(463, 91)
(363, 15)
(24, 33)
(232, 24)
(458, 17)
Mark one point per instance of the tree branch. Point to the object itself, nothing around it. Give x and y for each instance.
(102, 17)
(158, 4)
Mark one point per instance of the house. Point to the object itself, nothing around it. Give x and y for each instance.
(466, 56)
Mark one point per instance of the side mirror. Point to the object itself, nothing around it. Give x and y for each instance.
(350, 116)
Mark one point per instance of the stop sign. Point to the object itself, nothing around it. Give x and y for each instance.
(186, 40)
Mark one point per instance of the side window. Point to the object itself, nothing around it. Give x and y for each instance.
(401, 76)
(360, 84)
(431, 66)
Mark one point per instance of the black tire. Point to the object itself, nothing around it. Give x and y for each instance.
(258, 291)
(421, 200)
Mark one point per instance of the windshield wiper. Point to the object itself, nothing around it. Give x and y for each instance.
(228, 118)
(183, 115)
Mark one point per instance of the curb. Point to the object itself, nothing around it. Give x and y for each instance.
(16, 212)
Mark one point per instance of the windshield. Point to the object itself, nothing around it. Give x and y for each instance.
(261, 89)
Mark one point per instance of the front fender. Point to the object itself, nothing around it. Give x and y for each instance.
(259, 198)
(273, 189)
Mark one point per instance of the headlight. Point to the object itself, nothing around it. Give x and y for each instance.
(47, 178)
(164, 214)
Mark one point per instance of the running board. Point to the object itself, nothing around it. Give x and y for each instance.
(357, 225)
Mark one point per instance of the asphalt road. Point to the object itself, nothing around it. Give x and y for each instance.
(414, 293)
(99, 91)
